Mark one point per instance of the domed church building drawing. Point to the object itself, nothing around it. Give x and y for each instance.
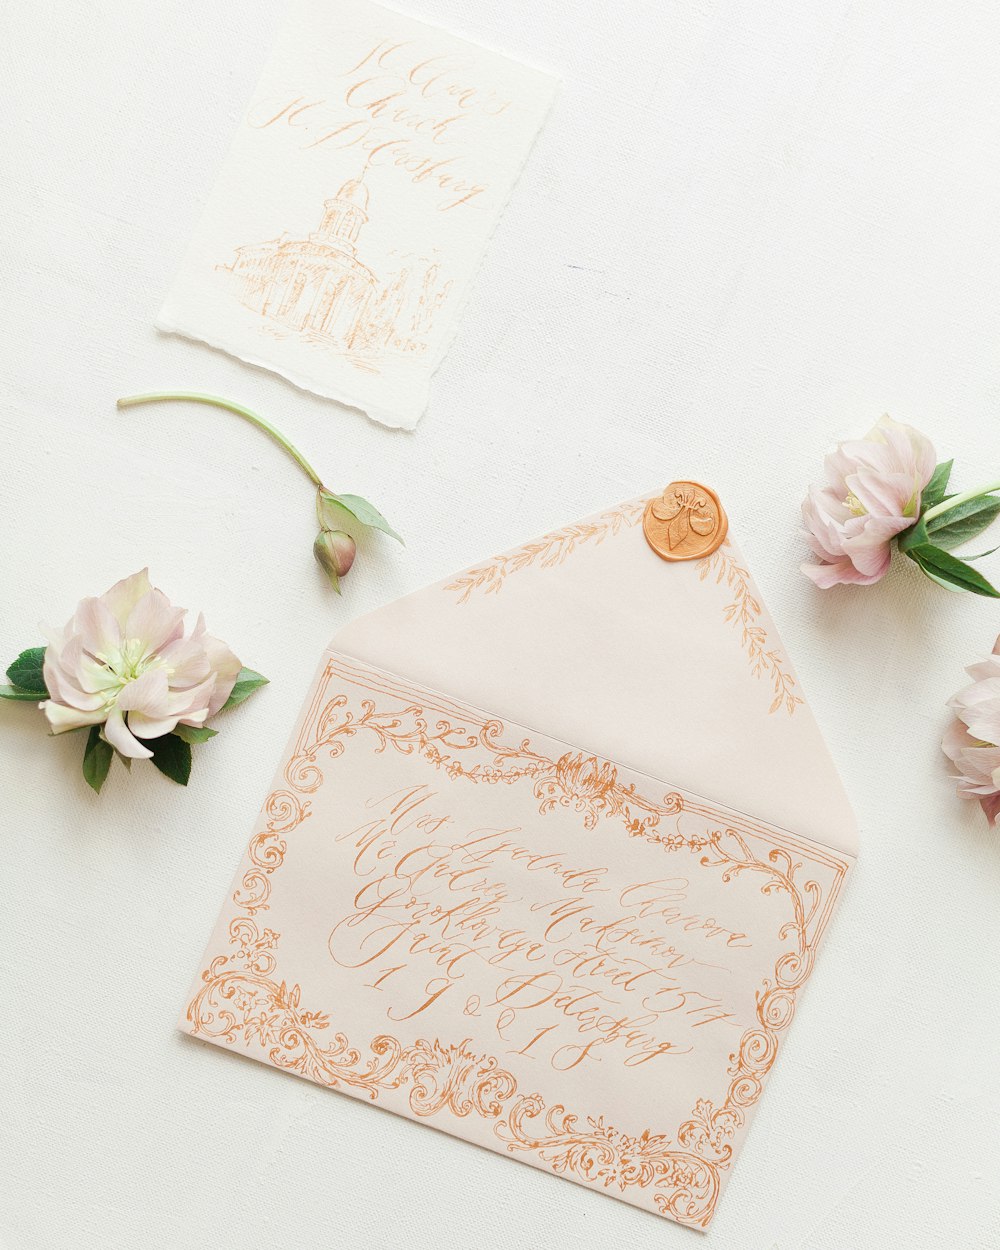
(316, 286)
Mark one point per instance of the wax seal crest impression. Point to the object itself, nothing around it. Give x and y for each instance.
(687, 522)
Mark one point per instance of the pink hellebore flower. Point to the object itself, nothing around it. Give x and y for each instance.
(123, 662)
(972, 742)
(872, 493)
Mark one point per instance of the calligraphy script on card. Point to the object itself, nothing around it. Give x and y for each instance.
(405, 106)
(527, 946)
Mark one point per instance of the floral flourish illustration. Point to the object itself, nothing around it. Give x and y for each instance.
(575, 780)
(744, 612)
(547, 552)
(284, 812)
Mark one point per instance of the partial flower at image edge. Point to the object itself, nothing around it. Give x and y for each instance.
(972, 741)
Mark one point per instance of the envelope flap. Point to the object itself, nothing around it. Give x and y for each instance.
(671, 668)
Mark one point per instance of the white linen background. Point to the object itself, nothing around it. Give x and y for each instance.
(745, 232)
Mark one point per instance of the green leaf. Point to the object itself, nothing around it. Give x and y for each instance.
(330, 512)
(172, 757)
(247, 682)
(944, 568)
(955, 590)
(26, 672)
(957, 525)
(915, 536)
(934, 492)
(981, 555)
(15, 693)
(194, 733)
(332, 507)
(97, 757)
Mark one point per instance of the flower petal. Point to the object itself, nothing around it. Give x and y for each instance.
(144, 726)
(124, 595)
(186, 662)
(79, 668)
(154, 621)
(226, 667)
(98, 631)
(869, 549)
(117, 733)
(825, 515)
(192, 706)
(66, 683)
(62, 718)
(988, 668)
(956, 739)
(909, 446)
(978, 766)
(978, 706)
(885, 494)
(148, 694)
(837, 572)
(991, 806)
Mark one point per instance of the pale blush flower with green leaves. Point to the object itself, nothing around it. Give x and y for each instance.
(123, 662)
(124, 668)
(871, 493)
(884, 490)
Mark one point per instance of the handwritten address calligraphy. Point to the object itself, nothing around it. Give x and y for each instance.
(562, 961)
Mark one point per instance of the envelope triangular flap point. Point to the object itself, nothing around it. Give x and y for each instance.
(669, 665)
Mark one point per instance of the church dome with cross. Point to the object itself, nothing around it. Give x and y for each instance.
(345, 213)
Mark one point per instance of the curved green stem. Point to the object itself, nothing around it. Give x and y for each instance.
(947, 504)
(217, 402)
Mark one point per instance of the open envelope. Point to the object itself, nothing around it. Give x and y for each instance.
(546, 865)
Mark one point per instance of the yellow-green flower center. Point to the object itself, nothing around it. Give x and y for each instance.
(125, 664)
(132, 660)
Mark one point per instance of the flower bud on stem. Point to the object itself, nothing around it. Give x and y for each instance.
(334, 548)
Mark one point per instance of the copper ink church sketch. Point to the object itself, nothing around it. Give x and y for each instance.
(321, 290)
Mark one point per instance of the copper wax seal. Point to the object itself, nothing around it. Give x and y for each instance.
(687, 522)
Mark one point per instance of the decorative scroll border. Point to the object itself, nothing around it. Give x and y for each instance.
(240, 997)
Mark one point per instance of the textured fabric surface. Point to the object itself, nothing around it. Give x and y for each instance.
(745, 232)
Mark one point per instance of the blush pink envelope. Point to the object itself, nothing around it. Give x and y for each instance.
(546, 865)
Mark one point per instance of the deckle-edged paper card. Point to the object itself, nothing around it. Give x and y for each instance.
(340, 242)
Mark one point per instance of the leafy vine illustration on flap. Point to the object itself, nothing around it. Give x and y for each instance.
(744, 612)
